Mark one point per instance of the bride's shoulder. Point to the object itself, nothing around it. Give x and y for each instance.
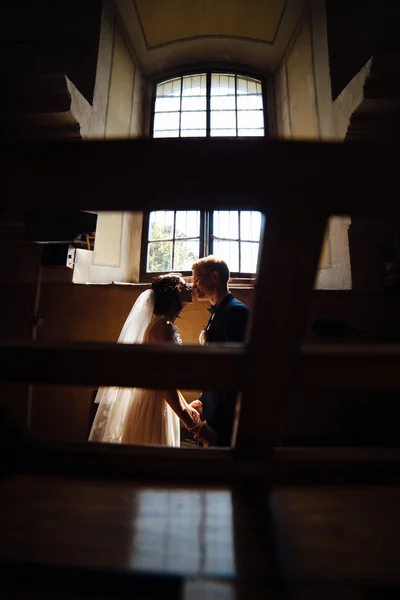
(161, 331)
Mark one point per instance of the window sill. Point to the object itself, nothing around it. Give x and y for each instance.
(233, 281)
(236, 284)
(242, 282)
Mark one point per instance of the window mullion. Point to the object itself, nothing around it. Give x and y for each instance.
(210, 248)
(239, 249)
(173, 241)
(208, 104)
(180, 108)
(236, 112)
(203, 234)
(264, 108)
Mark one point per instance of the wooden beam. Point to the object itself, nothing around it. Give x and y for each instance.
(151, 463)
(198, 466)
(348, 367)
(335, 465)
(208, 174)
(112, 364)
(339, 367)
(289, 258)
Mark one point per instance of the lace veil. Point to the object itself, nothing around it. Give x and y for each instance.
(114, 402)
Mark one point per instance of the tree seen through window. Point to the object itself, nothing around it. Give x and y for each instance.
(176, 239)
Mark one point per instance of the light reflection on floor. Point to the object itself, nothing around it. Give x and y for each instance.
(184, 532)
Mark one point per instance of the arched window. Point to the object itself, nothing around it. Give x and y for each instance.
(206, 104)
(209, 104)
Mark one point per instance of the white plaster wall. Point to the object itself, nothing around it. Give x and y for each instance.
(81, 109)
(347, 102)
(87, 272)
(336, 273)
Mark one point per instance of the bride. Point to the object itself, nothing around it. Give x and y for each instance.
(143, 416)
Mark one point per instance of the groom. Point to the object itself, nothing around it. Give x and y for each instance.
(227, 323)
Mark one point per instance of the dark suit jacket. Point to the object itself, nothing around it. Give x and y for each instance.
(227, 323)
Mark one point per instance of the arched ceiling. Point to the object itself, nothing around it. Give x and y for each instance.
(171, 21)
(168, 34)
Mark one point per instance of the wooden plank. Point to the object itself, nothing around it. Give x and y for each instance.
(83, 585)
(146, 463)
(341, 535)
(351, 466)
(348, 177)
(20, 276)
(318, 367)
(63, 582)
(109, 363)
(212, 466)
(289, 258)
(19, 262)
(348, 367)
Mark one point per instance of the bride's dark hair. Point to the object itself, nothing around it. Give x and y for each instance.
(166, 289)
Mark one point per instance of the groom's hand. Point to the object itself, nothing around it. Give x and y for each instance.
(198, 405)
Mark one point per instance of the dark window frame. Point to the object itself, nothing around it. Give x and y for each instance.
(208, 72)
(205, 247)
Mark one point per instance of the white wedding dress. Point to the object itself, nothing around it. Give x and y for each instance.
(136, 415)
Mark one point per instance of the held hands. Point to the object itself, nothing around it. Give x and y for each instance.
(202, 431)
(193, 418)
(198, 405)
(188, 414)
(193, 415)
(195, 410)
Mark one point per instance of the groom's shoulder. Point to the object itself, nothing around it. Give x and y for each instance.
(237, 304)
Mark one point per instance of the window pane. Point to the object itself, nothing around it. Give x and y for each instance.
(221, 85)
(166, 134)
(249, 102)
(161, 224)
(193, 120)
(229, 252)
(169, 88)
(194, 85)
(249, 257)
(250, 132)
(187, 223)
(194, 103)
(167, 104)
(193, 133)
(223, 103)
(250, 225)
(166, 121)
(186, 253)
(250, 119)
(223, 132)
(246, 85)
(223, 120)
(226, 224)
(159, 256)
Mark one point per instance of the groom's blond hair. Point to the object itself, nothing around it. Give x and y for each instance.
(212, 263)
